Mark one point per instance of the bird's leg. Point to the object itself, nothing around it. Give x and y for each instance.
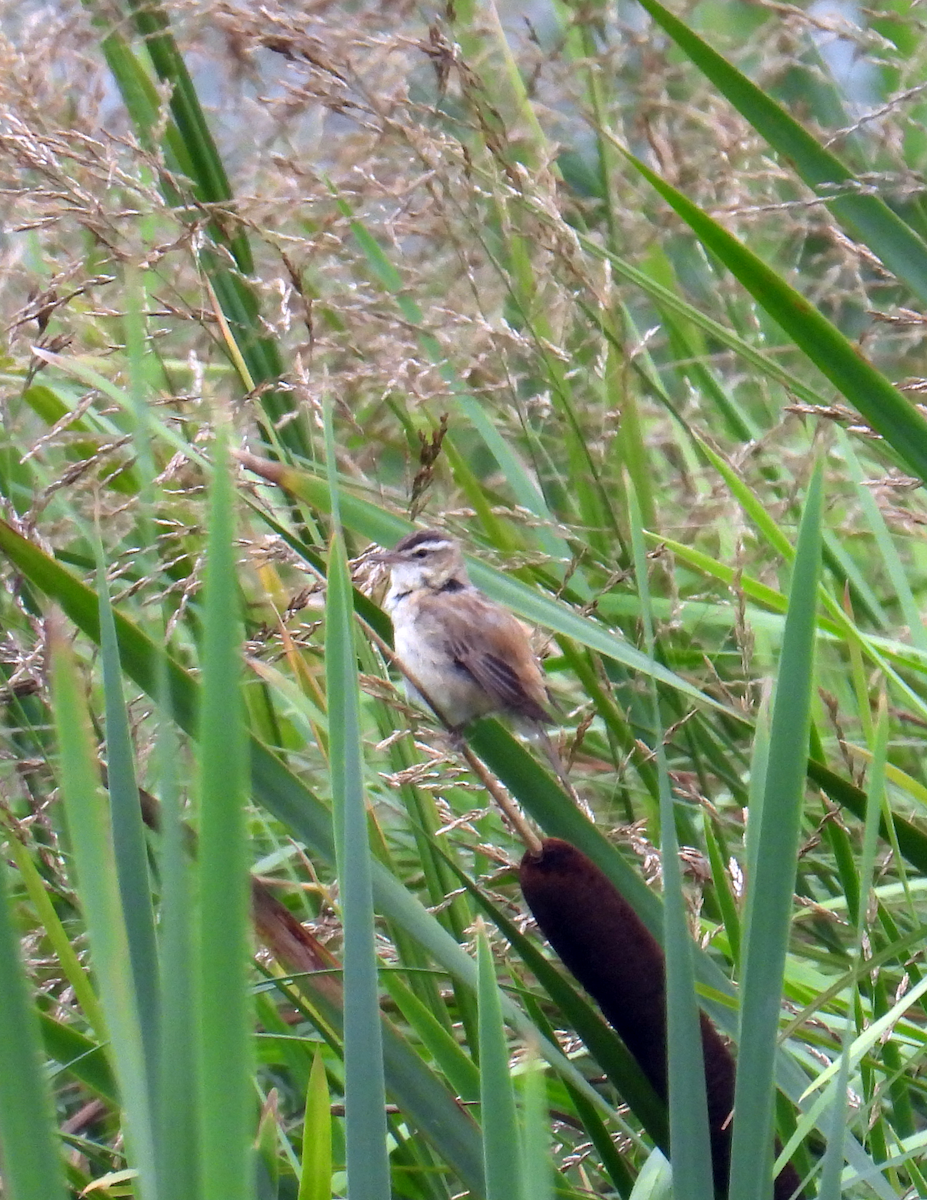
(455, 735)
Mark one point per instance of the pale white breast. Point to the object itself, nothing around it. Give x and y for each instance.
(420, 648)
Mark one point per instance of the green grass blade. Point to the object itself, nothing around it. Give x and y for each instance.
(911, 840)
(57, 935)
(315, 1180)
(688, 1112)
(177, 1120)
(28, 1148)
(98, 887)
(655, 1182)
(364, 1086)
(415, 1087)
(365, 1096)
(92, 378)
(881, 404)
(79, 1056)
(769, 904)
(897, 572)
(834, 1156)
(536, 1170)
(433, 1108)
(667, 300)
(497, 1098)
(223, 1006)
(128, 832)
(867, 217)
(212, 182)
(455, 1064)
(524, 487)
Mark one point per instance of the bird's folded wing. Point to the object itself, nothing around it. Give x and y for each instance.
(499, 658)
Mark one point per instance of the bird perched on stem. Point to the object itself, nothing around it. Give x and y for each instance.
(462, 653)
(470, 656)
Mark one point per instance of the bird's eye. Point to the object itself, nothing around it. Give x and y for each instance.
(421, 553)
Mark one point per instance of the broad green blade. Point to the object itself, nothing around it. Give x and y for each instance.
(32, 1167)
(79, 1056)
(91, 837)
(537, 1167)
(315, 1179)
(497, 1098)
(223, 1006)
(364, 1084)
(365, 1094)
(770, 889)
(177, 1092)
(128, 832)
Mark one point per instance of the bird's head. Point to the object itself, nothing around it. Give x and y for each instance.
(427, 559)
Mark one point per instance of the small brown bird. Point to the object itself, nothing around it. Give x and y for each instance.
(470, 656)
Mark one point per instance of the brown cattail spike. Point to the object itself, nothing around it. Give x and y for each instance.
(616, 958)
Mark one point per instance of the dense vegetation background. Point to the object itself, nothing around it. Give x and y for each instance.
(631, 302)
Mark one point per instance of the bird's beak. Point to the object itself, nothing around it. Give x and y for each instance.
(383, 557)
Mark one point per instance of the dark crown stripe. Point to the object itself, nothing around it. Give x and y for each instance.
(420, 537)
